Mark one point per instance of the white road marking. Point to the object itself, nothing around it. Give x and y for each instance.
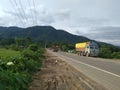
(92, 66)
(87, 65)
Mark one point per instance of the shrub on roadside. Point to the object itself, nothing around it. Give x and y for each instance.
(29, 54)
(13, 81)
(33, 47)
(116, 55)
(15, 72)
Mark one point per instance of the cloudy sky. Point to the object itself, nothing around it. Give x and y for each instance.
(95, 19)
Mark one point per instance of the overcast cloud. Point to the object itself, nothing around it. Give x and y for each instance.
(95, 19)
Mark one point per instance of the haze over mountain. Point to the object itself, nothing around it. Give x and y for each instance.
(41, 33)
(108, 34)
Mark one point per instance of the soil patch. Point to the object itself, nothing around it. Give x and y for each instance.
(56, 74)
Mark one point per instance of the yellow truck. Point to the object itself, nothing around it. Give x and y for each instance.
(87, 48)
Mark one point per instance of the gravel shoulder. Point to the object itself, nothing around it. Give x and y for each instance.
(56, 74)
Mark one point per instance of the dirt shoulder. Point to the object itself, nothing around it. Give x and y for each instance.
(56, 74)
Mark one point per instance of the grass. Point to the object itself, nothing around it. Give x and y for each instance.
(8, 53)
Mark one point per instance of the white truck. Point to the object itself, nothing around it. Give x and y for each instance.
(87, 48)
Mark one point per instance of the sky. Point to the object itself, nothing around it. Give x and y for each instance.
(95, 19)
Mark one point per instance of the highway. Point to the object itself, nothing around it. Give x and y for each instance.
(104, 71)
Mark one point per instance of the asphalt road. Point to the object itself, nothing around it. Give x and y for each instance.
(104, 71)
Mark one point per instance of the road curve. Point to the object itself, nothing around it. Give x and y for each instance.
(105, 72)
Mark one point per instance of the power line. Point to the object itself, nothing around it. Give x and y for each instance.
(28, 15)
(14, 3)
(22, 10)
(19, 10)
(18, 6)
(16, 9)
(31, 11)
(38, 17)
(35, 11)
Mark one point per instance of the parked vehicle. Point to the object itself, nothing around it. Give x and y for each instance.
(55, 48)
(87, 48)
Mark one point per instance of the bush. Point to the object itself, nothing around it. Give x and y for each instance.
(29, 54)
(13, 81)
(108, 53)
(33, 47)
(31, 65)
(16, 71)
(116, 55)
(105, 53)
(26, 63)
(13, 64)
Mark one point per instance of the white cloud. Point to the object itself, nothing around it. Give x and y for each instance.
(62, 14)
(106, 34)
(81, 17)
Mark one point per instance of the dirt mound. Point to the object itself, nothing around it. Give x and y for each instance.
(56, 74)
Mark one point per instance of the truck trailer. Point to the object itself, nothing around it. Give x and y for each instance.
(87, 48)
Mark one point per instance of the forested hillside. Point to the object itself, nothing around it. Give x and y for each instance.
(41, 33)
(49, 35)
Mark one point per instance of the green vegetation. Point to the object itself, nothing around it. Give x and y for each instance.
(16, 38)
(109, 51)
(17, 67)
(65, 47)
(8, 52)
(13, 81)
(105, 50)
(20, 57)
(38, 34)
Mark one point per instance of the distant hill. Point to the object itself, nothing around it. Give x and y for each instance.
(41, 33)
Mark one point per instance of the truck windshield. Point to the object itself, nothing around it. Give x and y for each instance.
(96, 47)
(91, 47)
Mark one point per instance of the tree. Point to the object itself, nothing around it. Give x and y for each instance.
(28, 41)
(33, 47)
(18, 42)
(6, 41)
(105, 52)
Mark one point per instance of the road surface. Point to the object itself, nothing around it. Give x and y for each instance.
(105, 72)
(56, 74)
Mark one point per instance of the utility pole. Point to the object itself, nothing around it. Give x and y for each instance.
(45, 44)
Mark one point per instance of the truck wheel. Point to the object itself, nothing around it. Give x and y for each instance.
(81, 53)
(87, 54)
(78, 54)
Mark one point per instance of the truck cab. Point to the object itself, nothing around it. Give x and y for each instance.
(92, 49)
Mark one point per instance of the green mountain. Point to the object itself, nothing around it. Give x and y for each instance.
(41, 33)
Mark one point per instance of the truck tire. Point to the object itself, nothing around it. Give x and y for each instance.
(78, 53)
(87, 54)
(82, 53)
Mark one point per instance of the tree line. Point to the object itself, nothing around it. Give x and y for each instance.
(109, 51)
(105, 50)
